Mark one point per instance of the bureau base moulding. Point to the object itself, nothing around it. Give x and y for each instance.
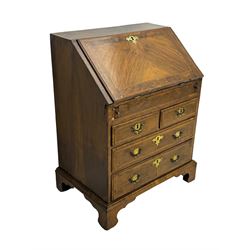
(108, 211)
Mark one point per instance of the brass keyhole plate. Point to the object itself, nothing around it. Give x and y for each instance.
(158, 139)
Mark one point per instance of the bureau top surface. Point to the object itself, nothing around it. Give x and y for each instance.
(136, 59)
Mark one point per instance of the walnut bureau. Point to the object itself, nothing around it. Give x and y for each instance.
(126, 101)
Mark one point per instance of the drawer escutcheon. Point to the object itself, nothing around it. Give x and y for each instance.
(158, 139)
(180, 111)
(137, 128)
(157, 162)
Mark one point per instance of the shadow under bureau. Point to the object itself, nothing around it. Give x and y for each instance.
(126, 101)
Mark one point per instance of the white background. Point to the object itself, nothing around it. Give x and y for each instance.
(210, 213)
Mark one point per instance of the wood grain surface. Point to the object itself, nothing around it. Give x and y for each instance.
(122, 156)
(81, 128)
(125, 132)
(147, 171)
(155, 60)
(178, 113)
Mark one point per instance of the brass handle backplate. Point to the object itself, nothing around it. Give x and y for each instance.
(180, 111)
(135, 151)
(177, 134)
(132, 39)
(137, 128)
(175, 158)
(135, 178)
(157, 162)
(158, 139)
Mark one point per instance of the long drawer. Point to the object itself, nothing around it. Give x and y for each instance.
(135, 177)
(140, 149)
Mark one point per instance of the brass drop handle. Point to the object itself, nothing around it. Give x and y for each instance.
(137, 128)
(175, 158)
(157, 139)
(156, 162)
(135, 152)
(180, 111)
(177, 134)
(135, 178)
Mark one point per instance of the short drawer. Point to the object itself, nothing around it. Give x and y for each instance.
(135, 177)
(140, 149)
(178, 113)
(135, 128)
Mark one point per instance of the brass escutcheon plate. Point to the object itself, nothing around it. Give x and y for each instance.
(132, 39)
(180, 111)
(157, 162)
(158, 139)
(137, 128)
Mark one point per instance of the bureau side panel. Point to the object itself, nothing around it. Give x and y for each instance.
(81, 118)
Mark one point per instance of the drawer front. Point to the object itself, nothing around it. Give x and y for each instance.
(146, 147)
(135, 128)
(165, 98)
(135, 177)
(178, 113)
